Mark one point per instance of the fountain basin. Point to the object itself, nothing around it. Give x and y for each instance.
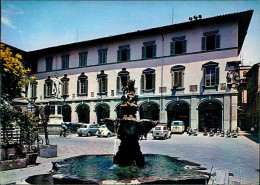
(99, 169)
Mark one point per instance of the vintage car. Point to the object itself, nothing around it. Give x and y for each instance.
(104, 132)
(177, 127)
(88, 129)
(161, 132)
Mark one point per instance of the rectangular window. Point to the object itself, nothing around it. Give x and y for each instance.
(49, 90)
(102, 85)
(178, 46)
(177, 79)
(34, 90)
(210, 76)
(82, 87)
(49, 62)
(148, 81)
(65, 62)
(149, 50)
(102, 56)
(123, 54)
(52, 109)
(210, 41)
(59, 109)
(83, 59)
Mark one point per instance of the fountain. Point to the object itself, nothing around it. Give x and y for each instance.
(129, 164)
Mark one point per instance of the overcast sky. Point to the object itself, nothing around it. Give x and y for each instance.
(32, 25)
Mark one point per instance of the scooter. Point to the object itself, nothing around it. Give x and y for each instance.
(195, 132)
(228, 133)
(205, 133)
(222, 133)
(211, 133)
(234, 134)
(218, 132)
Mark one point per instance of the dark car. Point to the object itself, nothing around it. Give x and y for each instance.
(73, 126)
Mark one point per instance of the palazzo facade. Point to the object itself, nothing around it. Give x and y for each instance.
(183, 72)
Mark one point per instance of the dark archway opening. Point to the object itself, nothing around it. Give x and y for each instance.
(83, 113)
(66, 113)
(149, 110)
(178, 111)
(102, 111)
(210, 115)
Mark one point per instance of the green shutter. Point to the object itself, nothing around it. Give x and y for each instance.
(119, 55)
(44, 90)
(78, 86)
(203, 43)
(143, 52)
(217, 41)
(118, 84)
(216, 76)
(172, 48)
(153, 81)
(128, 54)
(154, 50)
(99, 58)
(86, 86)
(142, 82)
(184, 46)
(204, 76)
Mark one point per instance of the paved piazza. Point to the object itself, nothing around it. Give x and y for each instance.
(239, 156)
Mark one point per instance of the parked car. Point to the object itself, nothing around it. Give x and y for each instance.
(104, 132)
(161, 131)
(177, 127)
(88, 129)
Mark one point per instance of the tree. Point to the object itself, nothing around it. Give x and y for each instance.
(14, 75)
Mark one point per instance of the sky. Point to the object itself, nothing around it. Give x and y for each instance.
(32, 25)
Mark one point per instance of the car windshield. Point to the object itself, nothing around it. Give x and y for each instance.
(157, 128)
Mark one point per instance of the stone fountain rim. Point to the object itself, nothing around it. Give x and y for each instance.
(151, 179)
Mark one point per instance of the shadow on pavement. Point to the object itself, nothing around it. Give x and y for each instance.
(254, 138)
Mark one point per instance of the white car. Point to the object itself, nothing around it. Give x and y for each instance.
(104, 132)
(88, 129)
(161, 131)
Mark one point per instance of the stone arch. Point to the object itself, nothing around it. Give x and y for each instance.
(178, 110)
(149, 110)
(83, 112)
(210, 114)
(102, 111)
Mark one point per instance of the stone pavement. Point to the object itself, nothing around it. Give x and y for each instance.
(239, 156)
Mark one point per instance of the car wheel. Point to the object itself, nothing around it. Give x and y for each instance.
(88, 134)
(80, 135)
(165, 137)
(154, 138)
(170, 136)
(108, 135)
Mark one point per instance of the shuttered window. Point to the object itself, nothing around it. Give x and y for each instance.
(49, 62)
(177, 79)
(65, 88)
(149, 50)
(34, 90)
(83, 59)
(82, 85)
(211, 74)
(210, 41)
(148, 80)
(102, 83)
(123, 54)
(65, 62)
(178, 45)
(102, 56)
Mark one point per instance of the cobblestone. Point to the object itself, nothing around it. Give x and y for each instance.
(240, 156)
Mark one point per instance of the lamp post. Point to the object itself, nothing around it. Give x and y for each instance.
(32, 102)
